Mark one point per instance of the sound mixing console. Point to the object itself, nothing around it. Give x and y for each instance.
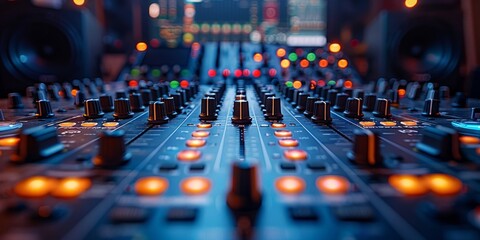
(239, 141)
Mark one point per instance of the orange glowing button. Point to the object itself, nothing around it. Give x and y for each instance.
(9, 142)
(290, 185)
(281, 52)
(410, 3)
(285, 63)
(89, 124)
(367, 123)
(408, 123)
(204, 125)
(141, 46)
(323, 63)
(67, 124)
(468, 140)
(401, 92)
(333, 184)
(195, 185)
(201, 134)
(295, 155)
(342, 63)
(257, 57)
(348, 84)
(443, 184)
(110, 124)
(304, 63)
(37, 186)
(151, 186)
(196, 143)
(288, 142)
(74, 92)
(297, 84)
(278, 125)
(407, 184)
(189, 155)
(335, 48)
(283, 133)
(71, 187)
(388, 123)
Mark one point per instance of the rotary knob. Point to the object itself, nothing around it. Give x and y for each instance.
(93, 109)
(15, 101)
(80, 98)
(44, 109)
(157, 113)
(146, 96)
(177, 99)
(332, 96)
(365, 148)
(112, 151)
(431, 108)
(369, 102)
(106, 102)
(321, 112)
(309, 106)
(340, 102)
(382, 108)
(169, 106)
(353, 109)
(273, 110)
(208, 109)
(302, 101)
(122, 109)
(241, 114)
(244, 194)
(136, 102)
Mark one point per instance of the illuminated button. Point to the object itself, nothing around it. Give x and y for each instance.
(200, 133)
(71, 187)
(195, 185)
(9, 142)
(151, 186)
(89, 124)
(288, 142)
(67, 124)
(110, 124)
(295, 154)
(407, 184)
(367, 123)
(283, 133)
(333, 184)
(443, 184)
(204, 125)
(37, 186)
(195, 143)
(290, 185)
(409, 123)
(388, 123)
(189, 155)
(463, 139)
(279, 125)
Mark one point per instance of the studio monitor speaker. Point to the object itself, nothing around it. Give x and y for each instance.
(39, 44)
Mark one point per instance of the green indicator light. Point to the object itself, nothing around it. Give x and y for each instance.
(156, 72)
(289, 84)
(135, 72)
(311, 57)
(174, 84)
(331, 83)
(185, 73)
(292, 57)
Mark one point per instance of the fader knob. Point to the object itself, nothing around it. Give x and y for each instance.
(122, 109)
(15, 101)
(37, 143)
(106, 102)
(93, 109)
(273, 110)
(44, 109)
(241, 114)
(321, 112)
(112, 151)
(157, 113)
(366, 149)
(244, 194)
(369, 102)
(136, 102)
(441, 142)
(353, 109)
(431, 108)
(340, 102)
(208, 109)
(382, 108)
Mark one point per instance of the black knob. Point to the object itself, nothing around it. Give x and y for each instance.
(146, 96)
(177, 99)
(106, 102)
(359, 93)
(460, 100)
(382, 108)
(353, 109)
(208, 109)
(321, 112)
(80, 98)
(241, 114)
(37, 143)
(273, 109)
(289, 94)
(15, 101)
(53, 91)
(156, 94)
(366, 149)
(44, 109)
(309, 106)
(122, 109)
(169, 106)
(433, 94)
(302, 101)
(431, 108)
(112, 151)
(340, 102)
(296, 93)
(324, 94)
(136, 102)
(265, 96)
(441, 142)
(332, 96)
(67, 91)
(475, 113)
(244, 194)
(369, 102)
(348, 91)
(393, 97)
(93, 109)
(120, 94)
(157, 113)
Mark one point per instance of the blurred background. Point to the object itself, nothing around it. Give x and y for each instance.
(415, 40)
